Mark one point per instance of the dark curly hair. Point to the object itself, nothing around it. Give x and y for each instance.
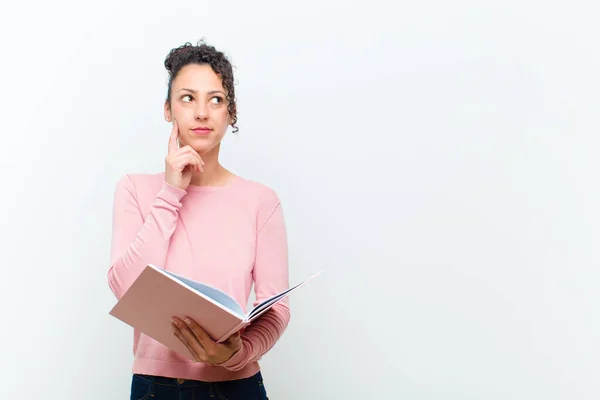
(202, 53)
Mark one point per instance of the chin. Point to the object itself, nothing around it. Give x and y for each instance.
(203, 148)
(196, 143)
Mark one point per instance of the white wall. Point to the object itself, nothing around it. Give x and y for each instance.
(440, 159)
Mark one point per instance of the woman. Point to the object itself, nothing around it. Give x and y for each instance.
(202, 221)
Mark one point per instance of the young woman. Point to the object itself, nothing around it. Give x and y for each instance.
(200, 220)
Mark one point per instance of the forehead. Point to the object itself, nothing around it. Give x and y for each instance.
(198, 77)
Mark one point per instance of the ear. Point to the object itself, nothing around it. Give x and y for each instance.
(167, 111)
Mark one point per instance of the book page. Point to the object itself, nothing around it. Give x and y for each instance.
(268, 302)
(217, 295)
(274, 299)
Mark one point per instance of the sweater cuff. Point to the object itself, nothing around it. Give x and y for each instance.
(237, 361)
(171, 194)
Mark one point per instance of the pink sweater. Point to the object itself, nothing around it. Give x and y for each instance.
(229, 237)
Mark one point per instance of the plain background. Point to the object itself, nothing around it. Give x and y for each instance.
(438, 158)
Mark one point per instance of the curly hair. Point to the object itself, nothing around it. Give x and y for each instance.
(202, 53)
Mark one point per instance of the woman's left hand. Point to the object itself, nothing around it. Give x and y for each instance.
(202, 347)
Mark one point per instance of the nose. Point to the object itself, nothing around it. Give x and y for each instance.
(201, 111)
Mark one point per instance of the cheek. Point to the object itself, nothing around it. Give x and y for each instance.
(181, 113)
(223, 117)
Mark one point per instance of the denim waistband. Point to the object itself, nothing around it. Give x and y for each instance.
(177, 382)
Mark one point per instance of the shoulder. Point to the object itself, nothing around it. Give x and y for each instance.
(140, 184)
(257, 191)
(263, 200)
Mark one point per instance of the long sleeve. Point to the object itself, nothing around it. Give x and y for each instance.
(139, 240)
(271, 276)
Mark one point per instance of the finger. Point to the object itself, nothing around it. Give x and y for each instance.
(205, 340)
(196, 162)
(173, 146)
(183, 339)
(192, 160)
(189, 150)
(181, 162)
(190, 339)
(194, 168)
(179, 335)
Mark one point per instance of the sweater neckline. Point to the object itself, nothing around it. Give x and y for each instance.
(203, 189)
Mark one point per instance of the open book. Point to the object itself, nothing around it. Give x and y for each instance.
(157, 296)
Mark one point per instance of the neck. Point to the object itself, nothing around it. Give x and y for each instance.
(214, 173)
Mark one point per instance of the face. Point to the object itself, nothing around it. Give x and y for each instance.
(199, 106)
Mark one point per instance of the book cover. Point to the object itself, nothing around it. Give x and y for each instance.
(158, 295)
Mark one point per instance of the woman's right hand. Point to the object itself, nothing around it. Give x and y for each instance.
(181, 162)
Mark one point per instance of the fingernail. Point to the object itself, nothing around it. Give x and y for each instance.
(188, 321)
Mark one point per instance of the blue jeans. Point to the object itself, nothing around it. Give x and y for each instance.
(148, 387)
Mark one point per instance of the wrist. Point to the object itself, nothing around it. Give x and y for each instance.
(235, 359)
(172, 188)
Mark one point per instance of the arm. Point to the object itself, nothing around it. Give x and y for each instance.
(270, 277)
(138, 241)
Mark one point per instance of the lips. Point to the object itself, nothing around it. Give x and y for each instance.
(201, 131)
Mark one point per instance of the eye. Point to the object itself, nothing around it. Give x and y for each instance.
(216, 100)
(186, 95)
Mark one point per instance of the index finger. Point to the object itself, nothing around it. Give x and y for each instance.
(173, 145)
(205, 340)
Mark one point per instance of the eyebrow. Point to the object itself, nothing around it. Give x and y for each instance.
(195, 91)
